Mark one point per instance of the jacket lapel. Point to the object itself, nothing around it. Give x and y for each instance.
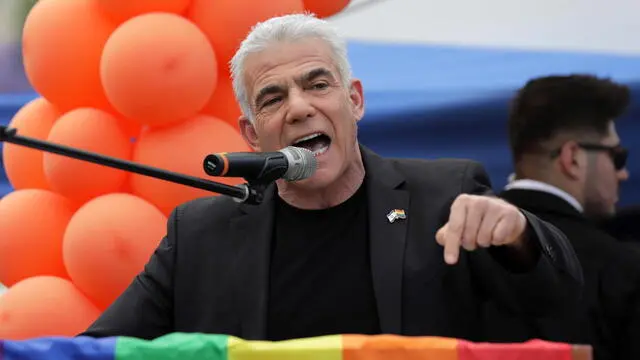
(251, 234)
(387, 238)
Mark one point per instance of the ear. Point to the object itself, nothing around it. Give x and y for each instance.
(356, 95)
(248, 132)
(572, 161)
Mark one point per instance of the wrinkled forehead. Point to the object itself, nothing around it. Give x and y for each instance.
(287, 61)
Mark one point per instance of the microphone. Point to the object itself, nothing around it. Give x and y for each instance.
(291, 164)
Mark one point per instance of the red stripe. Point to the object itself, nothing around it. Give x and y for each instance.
(530, 350)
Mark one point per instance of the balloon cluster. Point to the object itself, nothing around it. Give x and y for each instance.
(140, 80)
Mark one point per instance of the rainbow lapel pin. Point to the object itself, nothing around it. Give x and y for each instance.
(396, 214)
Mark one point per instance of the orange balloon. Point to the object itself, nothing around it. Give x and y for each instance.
(227, 22)
(223, 104)
(32, 225)
(44, 306)
(108, 242)
(22, 165)
(62, 45)
(182, 148)
(92, 130)
(122, 10)
(131, 128)
(325, 8)
(158, 69)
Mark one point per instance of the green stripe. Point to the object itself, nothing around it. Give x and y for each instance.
(177, 346)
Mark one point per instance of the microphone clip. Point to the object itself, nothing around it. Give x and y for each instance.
(255, 188)
(253, 192)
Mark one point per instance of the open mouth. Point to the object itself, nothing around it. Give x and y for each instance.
(317, 143)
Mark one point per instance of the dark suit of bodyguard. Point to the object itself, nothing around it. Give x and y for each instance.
(367, 245)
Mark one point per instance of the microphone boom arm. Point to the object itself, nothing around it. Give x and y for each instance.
(241, 193)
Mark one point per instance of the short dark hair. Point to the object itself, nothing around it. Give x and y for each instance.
(550, 105)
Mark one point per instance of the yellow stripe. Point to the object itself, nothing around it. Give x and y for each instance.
(318, 348)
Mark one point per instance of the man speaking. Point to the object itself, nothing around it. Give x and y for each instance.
(366, 245)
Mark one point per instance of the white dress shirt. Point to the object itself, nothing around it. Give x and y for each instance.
(527, 184)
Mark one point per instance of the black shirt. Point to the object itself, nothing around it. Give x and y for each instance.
(320, 280)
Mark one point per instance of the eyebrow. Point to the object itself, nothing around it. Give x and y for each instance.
(316, 73)
(266, 91)
(277, 89)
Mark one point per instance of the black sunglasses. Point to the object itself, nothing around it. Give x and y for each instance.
(618, 154)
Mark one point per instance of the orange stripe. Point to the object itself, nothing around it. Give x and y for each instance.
(225, 163)
(393, 347)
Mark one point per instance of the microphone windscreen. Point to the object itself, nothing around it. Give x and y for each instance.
(302, 163)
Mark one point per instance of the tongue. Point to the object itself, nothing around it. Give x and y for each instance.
(314, 144)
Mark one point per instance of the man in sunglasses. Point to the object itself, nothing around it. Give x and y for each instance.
(568, 166)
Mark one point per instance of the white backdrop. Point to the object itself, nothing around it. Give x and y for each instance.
(610, 26)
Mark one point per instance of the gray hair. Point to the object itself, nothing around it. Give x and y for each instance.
(286, 28)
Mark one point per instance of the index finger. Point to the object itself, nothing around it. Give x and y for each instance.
(451, 250)
(453, 235)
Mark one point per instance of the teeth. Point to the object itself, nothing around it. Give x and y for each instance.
(321, 151)
(308, 137)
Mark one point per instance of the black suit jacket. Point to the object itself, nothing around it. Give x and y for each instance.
(210, 272)
(609, 317)
(624, 226)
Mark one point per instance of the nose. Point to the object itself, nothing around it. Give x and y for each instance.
(623, 175)
(300, 108)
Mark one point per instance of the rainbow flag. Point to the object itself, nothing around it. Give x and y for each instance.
(337, 347)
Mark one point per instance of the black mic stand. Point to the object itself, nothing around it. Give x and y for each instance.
(250, 192)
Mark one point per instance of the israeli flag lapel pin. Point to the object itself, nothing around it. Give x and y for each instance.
(396, 214)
